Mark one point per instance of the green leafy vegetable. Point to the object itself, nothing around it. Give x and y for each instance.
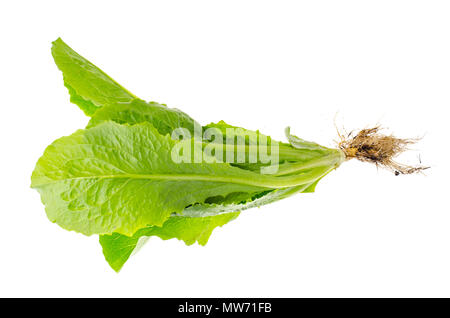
(127, 176)
(117, 177)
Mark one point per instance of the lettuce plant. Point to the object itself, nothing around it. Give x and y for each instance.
(118, 179)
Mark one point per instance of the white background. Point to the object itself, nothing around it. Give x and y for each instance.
(262, 65)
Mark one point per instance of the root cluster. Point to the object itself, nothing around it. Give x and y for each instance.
(369, 145)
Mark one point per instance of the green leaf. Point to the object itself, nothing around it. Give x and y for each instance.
(137, 111)
(89, 87)
(119, 178)
(118, 248)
